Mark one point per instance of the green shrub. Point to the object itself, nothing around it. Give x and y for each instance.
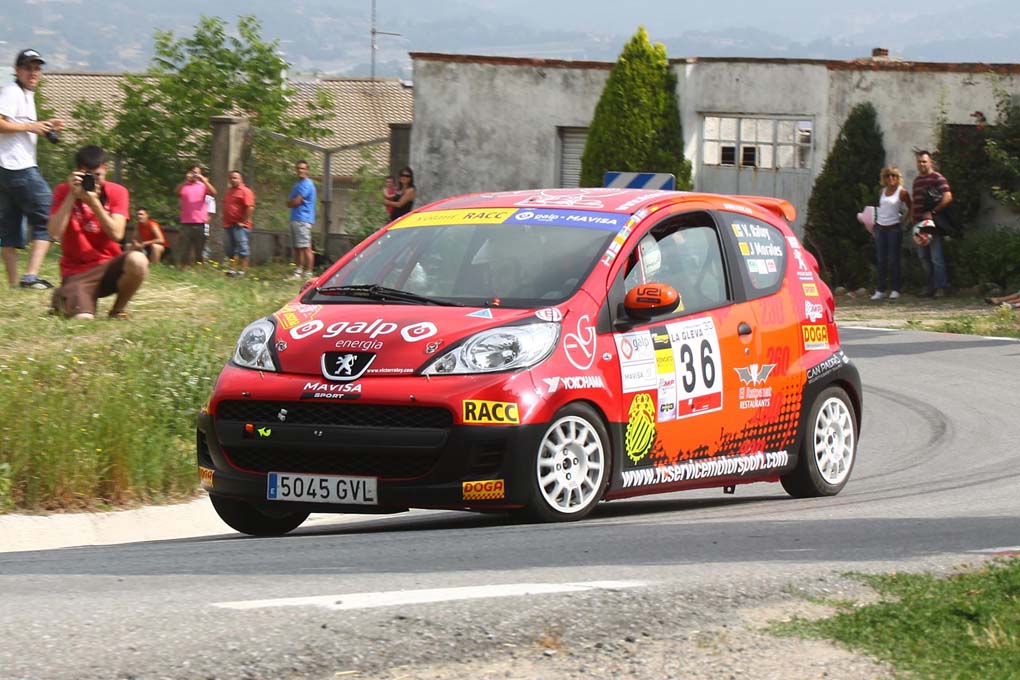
(988, 256)
(636, 126)
(849, 180)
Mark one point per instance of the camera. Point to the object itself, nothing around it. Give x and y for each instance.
(88, 182)
(52, 136)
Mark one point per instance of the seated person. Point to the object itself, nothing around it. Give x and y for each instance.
(148, 236)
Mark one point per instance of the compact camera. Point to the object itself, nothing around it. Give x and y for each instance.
(88, 182)
(52, 136)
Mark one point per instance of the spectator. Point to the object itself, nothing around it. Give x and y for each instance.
(238, 208)
(893, 206)
(302, 216)
(389, 192)
(932, 256)
(148, 236)
(24, 194)
(403, 202)
(89, 216)
(210, 207)
(194, 216)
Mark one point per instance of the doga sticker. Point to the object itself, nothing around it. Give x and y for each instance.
(640, 433)
(815, 336)
(491, 412)
(206, 475)
(485, 490)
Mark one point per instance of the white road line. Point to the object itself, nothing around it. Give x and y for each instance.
(993, 551)
(404, 597)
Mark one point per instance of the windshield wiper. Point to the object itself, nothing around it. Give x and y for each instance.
(373, 291)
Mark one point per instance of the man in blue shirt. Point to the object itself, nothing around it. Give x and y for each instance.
(302, 216)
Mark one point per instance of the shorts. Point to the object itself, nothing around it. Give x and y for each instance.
(24, 194)
(190, 242)
(78, 292)
(237, 241)
(301, 234)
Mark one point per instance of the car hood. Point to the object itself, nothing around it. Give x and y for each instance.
(384, 339)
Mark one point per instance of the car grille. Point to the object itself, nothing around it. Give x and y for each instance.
(384, 464)
(342, 414)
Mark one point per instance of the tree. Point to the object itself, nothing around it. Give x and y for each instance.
(636, 126)
(849, 181)
(164, 125)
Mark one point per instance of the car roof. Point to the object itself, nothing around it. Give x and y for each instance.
(625, 201)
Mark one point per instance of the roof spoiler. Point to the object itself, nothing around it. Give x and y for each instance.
(777, 206)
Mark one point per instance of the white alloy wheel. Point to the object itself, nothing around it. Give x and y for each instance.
(834, 443)
(571, 466)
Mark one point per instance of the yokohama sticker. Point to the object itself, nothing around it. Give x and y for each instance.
(815, 336)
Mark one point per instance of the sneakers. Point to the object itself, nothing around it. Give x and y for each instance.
(298, 275)
(879, 294)
(895, 295)
(35, 283)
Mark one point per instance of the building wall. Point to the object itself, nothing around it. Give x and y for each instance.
(492, 126)
(486, 123)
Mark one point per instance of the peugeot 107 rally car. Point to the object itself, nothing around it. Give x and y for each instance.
(537, 352)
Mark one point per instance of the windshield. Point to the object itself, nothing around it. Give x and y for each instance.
(509, 265)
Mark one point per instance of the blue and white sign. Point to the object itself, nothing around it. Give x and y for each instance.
(640, 180)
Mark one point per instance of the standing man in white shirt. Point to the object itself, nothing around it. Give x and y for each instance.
(24, 194)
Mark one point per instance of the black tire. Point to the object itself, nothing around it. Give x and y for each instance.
(248, 518)
(569, 469)
(828, 450)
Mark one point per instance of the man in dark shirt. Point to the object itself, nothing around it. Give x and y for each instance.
(932, 256)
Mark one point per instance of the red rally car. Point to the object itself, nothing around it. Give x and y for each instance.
(539, 351)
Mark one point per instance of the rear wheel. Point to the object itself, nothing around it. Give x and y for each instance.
(248, 518)
(570, 468)
(829, 448)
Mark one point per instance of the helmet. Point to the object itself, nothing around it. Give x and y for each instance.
(923, 232)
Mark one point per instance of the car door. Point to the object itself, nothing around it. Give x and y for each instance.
(680, 372)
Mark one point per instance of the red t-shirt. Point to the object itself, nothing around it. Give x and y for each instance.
(84, 242)
(236, 205)
(144, 232)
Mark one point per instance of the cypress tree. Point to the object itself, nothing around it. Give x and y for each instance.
(849, 181)
(636, 126)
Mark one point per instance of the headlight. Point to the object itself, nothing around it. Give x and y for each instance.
(499, 349)
(253, 346)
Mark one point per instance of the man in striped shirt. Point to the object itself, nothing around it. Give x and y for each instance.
(932, 256)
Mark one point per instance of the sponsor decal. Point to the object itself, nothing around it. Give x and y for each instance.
(810, 289)
(372, 329)
(448, 217)
(640, 433)
(432, 347)
(830, 365)
(751, 396)
(698, 365)
(637, 361)
(571, 218)
(812, 311)
(291, 315)
(722, 466)
(205, 476)
(322, 390)
(771, 267)
(562, 198)
(490, 412)
(815, 336)
(577, 382)
(485, 490)
(737, 208)
(579, 346)
(360, 345)
(346, 366)
(282, 415)
(549, 314)
(390, 371)
(482, 314)
(265, 432)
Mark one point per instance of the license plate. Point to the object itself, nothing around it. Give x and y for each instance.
(288, 486)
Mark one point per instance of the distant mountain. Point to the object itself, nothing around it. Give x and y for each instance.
(333, 36)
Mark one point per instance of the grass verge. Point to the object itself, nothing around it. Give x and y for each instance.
(966, 626)
(101, 413)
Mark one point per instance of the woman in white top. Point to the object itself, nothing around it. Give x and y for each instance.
(893, 205)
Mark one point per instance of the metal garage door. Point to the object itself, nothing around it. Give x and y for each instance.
(572, 141)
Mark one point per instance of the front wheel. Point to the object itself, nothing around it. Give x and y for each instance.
(248, 518)
(829, 448)
(570, 468)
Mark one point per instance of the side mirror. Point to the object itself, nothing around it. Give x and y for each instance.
(651, 299)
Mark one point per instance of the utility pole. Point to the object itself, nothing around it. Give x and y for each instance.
(374, 33)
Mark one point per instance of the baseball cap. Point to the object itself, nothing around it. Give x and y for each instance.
(25, 56)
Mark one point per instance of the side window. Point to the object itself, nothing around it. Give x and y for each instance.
(762, 258)
(685, 254)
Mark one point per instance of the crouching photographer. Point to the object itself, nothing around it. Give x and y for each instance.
(89, 216)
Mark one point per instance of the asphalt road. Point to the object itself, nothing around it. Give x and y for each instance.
(934, 486)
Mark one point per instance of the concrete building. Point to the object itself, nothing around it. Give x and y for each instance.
(751, 126)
